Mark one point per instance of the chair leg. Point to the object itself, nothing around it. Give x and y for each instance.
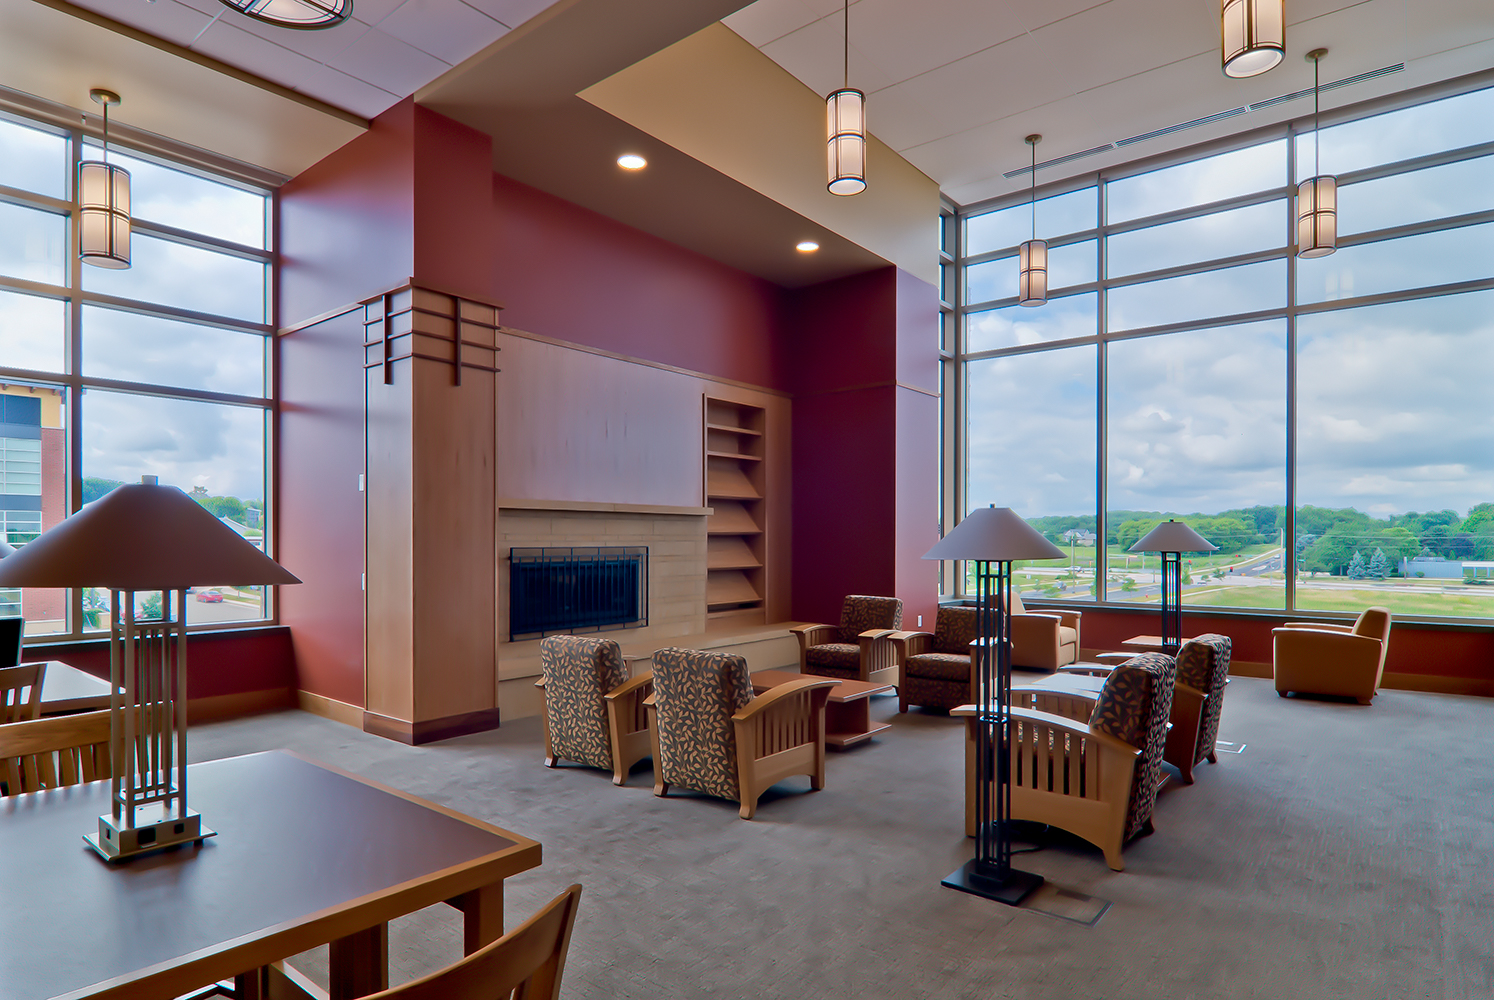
(749, 806)
(1187, 772)
(1213, 757)
(550, 761)
(619, 772)
(661, 788)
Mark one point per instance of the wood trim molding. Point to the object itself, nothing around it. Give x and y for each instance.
(514, 503)
(330, 708)
(1439, 684)
(234, 706)
(430, 730)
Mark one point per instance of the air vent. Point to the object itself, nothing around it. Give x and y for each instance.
(1373, 74)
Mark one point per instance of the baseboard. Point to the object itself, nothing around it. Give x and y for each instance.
(330, 708)
(1251, 668)
(430, 730)
(1438, 684)
(235, 706)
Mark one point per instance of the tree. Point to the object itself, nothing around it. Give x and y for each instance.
(1379, 566)
(95, 488)
(1357, 569)
(1479, 515)
(1398, 543)
(1437, 539)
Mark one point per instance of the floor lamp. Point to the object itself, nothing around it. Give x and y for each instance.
(992, 537)
(144, 539)
(1172, 539)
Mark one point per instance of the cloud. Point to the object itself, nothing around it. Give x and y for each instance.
(184, 442)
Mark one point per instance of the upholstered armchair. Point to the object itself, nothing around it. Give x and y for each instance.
(1043, 640)
(1197, 700)
(711, 735)
(593, 712)
(934, 668)
(860, 647)
(1318, 658)
(1088, 764)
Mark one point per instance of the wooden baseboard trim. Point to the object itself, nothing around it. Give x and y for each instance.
(330, 708)
(430, 730)
(1438, 684)
(235, 706)
(1251, 668)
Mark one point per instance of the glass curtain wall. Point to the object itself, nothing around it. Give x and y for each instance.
(1319, 420)
(107, 375)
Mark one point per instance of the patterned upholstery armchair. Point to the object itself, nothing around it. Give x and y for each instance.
(934, 669)
(1043, 640)
(1197, 699)
(593, 713)
(710, 735)
(1318, 658)
(860, 647)
(1098, 778)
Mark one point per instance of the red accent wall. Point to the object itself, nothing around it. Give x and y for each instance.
(218, 663)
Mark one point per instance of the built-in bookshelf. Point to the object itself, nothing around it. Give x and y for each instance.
(736, 489)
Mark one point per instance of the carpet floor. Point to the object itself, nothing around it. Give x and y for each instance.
(1347, 852)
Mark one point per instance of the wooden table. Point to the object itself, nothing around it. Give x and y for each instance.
(305, 855)
(847, 712)
(1145, 643)
(67, 689)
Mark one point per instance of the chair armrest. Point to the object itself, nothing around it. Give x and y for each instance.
(1088, 669)
(649, 701)
(1035, 641)
(540, 683)
(1065, 703)
(1074, 728)
(911, 643)
(630, 685)
(778, 692)
(1115, 659)
(1178, 687)
(813, 635)
(1319, 626)
(877, 633)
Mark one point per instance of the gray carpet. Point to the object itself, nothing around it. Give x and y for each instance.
(1347, 853)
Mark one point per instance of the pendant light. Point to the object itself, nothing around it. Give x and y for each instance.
(1032, 256)
(104, 203)
(846, 124)
(1252, 36)
(1317, 197)
(303, 14)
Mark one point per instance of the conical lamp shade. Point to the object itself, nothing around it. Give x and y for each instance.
(1173, 536)
(141, 537)
(5, 548)
(994, 534)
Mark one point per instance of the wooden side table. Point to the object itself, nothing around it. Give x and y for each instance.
(847, 713)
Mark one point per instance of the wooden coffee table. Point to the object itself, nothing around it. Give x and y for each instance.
(1146, 643)
(847, 713)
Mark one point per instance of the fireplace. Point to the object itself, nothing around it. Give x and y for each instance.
(595, 589)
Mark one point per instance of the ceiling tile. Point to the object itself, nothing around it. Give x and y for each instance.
(769, 20)
(1156, 33)
(999, 81)
(818, 52)
(175, 22)
(252, 53)
(511, 13)
(346, 92)
(447, 29)
(1035, 13)
(388, 63)
(374, 11)
(322, 44)
(907, 39)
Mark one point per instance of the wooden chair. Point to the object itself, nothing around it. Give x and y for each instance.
(1086, 764)
(711, 735)
(593, 712)
(1344, 660)
(20, 692)
(1197, 700)
(860, 647)
(934, 668)
(526, 962)
(54, 753)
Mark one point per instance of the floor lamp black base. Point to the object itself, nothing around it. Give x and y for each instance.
(1011, 890)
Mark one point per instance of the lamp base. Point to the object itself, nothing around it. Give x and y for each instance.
(153, 831)
(973, 877)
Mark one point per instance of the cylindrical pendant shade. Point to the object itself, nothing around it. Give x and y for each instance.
(295, 13)
(103, 214)
(845, 112)
(1252, 36)
(1317, 216)
(1032, 280)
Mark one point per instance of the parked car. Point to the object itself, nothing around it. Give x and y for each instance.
(210, 597)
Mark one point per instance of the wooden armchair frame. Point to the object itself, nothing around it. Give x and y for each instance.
(1184, 725)
(879, 662)
(909, 644)
(13, 680)
(627, 721)
(54, 753)
(780, 733)
(1063, 773)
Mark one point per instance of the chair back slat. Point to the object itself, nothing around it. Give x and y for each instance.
(20, 691)
(526, 963)
(55, 753)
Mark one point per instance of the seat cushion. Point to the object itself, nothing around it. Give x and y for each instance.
(579, 671)
(835, 655)
(955, 629)
(860, 613)
(695, 695)
(932, 693)
(1134, 706)
(938, 666)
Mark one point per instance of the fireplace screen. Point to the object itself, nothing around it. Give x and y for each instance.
(554, 590)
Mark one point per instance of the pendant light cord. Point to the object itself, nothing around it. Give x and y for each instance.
(1032, 198)
(846, 31)
(1316, 165)
(106, 131)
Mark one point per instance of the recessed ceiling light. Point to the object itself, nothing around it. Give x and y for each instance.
(631, 161)
(806, 246)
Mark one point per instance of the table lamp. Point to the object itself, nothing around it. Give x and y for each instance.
(1172, 538)
(141, 539)
(992, 537)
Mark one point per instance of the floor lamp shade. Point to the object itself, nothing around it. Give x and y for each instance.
(103, 214)
(1252, 36)
(845, 113)
(1171, 538)
(144, 538)
(994, 534)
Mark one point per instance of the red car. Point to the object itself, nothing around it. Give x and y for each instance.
(210, 597)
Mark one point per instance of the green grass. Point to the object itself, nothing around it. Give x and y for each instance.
(1467, 604)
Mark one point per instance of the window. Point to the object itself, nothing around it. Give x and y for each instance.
(1183, 332)
(161, 369)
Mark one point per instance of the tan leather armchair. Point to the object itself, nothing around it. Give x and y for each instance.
(1043, 640)
(1319, 658)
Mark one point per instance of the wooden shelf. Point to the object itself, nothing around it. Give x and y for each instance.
(728, 587)
(731, 518)
(730, 552)
(734, 455)
(735, 571)
(730, 483)
(731, 429)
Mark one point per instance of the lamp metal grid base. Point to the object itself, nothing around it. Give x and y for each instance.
(978, 879)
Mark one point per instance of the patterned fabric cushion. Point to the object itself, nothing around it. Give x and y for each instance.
(860, 613)
(1134, 706)
(940, 667)
(835, 655)
(932, 693)
(578, 673)
(1213, 684)
(954, 629)
(696, 694)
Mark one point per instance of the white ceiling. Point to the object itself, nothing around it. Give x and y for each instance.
(384, 53)
(954, 85)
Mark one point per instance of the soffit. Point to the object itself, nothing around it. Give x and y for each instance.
(954, 85)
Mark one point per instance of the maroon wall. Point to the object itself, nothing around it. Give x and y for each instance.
(233, 661)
